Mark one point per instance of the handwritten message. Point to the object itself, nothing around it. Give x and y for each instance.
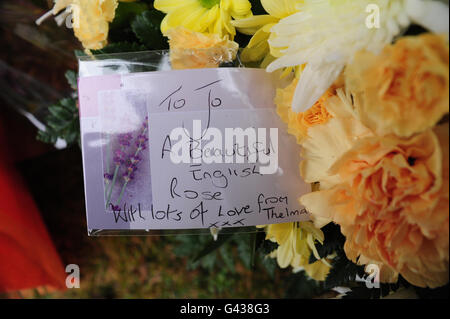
(200, 176)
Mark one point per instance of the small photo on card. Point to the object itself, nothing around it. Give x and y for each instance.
(125, 151)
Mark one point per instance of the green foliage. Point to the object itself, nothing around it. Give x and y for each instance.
(126, 12)
(72, 79)
(269, 264)
(334, 241)
(343, 272)
(146, 27)
(267, 247)
(250, 249)
(212, 245)
(220, 259)
(62, 122)
(299, 285)
(120, 29)
(205, 252)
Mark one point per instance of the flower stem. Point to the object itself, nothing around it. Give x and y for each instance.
(108, 149)
(112, 185)
(121, 193)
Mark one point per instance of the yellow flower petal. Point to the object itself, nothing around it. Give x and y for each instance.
(258, 37)
(240, 8)
(255, 53)
(317, 270)
(254, 22)
(281, 232)
(281, 8)
(170, 5)
(285, 254)
(186, 16)
(192, 14)
(267, 60)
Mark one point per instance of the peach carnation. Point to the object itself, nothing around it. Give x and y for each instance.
(195, 50)
(91, 20)
(299, 123)
(404, 90)
(392, 204)
(327, 142)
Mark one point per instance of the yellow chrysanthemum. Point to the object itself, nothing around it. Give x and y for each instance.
(206, 16)
(295, 245)
(259, 26)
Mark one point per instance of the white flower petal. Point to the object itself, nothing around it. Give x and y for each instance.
(314, 81)
(432, 15)
(328, 33)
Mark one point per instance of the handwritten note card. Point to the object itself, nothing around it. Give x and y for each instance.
(188, 149)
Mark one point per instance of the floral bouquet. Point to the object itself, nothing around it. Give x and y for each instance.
(368, 101)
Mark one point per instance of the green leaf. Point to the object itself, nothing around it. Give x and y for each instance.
(127, 11)
(71, 77)
(257, 241)
(48, 136)
(334, 241)
(69, 103)
(343, 271)
(207, 262)
(245, 248)
(79, 53)
(267, 247)
(60, 112)
(227, 258)
(299, 285)
(269, 264)
(62, 122)
(146, 27)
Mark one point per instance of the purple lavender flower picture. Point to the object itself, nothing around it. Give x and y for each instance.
(126, 163)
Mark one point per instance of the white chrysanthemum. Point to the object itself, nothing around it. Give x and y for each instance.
(325, 35)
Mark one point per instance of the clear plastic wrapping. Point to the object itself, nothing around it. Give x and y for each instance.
(130, 106)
